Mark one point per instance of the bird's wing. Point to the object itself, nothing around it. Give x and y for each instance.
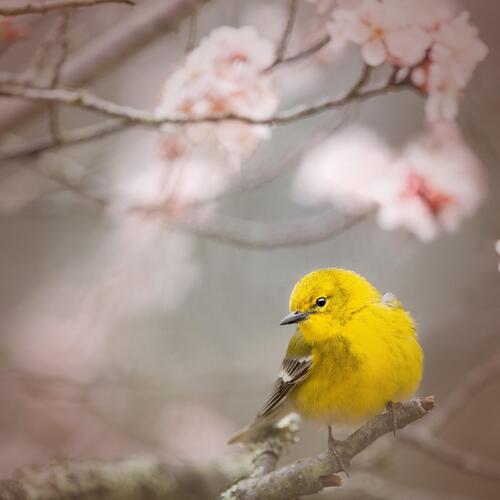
(293, 370)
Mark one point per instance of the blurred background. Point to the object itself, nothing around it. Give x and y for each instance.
(123, 334)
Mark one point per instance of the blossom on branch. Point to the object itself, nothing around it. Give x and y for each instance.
(431, 46)
(431, 185)
(223, 75)
(437, 181)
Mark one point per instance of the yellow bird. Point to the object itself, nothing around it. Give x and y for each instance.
(355, 352)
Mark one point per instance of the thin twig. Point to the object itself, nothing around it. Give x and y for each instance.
(109, 49)
(43, 6)
(192, 32)
(34, 75)
(287, 32)
(303, 54)
(76, 136)
(62, 47)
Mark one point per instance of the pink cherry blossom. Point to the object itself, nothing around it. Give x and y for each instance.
(386, 30)
(437, 182)
(431, 185)
(453, 58)
(426, 40)
(223, 75)
(347, 170)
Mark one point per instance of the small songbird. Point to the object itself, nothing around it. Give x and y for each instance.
(355, 352)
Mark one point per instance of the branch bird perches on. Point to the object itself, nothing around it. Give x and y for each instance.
(141, 478)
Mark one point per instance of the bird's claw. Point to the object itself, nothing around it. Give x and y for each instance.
(390, 408)
(333, 455)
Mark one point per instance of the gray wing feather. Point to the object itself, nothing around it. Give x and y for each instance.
(293, 371)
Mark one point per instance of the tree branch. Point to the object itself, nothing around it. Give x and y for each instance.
(425, 440)
(76, 136)
(305, 477)
(90, 102)
(475, 380)
(150, 477)
(305, 53)
(62, 47)
(192, 32)
(43, 6)
(110, 49)
(259, 235)
(127, 116)
(287, 32)
(135, 478)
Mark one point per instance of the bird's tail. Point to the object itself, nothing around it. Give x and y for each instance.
(243, 436)
(262, 428)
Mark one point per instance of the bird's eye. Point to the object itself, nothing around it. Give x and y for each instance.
(321, 302)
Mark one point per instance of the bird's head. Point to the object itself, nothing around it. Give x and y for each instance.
(326, 298)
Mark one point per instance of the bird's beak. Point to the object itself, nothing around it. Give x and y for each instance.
(295, 317)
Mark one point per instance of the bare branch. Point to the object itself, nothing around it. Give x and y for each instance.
(43, 6)
(425, 441)
(287, 32)
(36, 73)
(474, 381)
(110, 49)
(76, 136)
(90, 102)
(150, 477)
(128, 117)
(62, 47)
(192, 31)
(305, 477)
(274, 442)
(135, 478)
(303, 54)
(259, 235)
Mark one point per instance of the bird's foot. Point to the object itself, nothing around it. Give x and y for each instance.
(391, 407)
(333, 454)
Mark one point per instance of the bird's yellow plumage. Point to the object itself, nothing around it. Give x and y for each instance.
(353, 352)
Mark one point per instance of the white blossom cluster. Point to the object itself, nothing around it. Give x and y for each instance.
(222, 76)
(431, 184)
(432, 46)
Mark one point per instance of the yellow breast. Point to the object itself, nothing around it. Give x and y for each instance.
(370, 360)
